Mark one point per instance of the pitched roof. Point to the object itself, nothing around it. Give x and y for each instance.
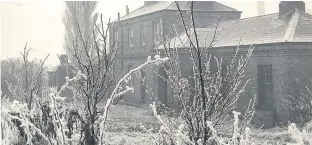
(295, 27)
(53, 69)
(170, 5)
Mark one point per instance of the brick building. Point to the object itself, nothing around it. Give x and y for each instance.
(283, 49)
(139, 32)
(57, 75)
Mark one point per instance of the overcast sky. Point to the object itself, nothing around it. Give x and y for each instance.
(40, 23)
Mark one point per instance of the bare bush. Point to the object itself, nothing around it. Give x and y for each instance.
(299, 98)
(25, 78)
(31, 121)
(211, 93)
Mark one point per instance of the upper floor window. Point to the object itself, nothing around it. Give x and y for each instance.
(130, 36)
(116, 35)
(143, 37)
(156, 33)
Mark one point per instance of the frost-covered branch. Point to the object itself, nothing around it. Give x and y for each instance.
(115, 94)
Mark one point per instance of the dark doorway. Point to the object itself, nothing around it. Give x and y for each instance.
(265, 87)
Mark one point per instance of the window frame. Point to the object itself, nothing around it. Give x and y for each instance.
(130, 37)
(116, 35)
(143, 35)
(156, 33)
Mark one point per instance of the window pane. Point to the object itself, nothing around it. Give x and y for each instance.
(156, 32)
(142, 35)
(116, 35)
(130, 36)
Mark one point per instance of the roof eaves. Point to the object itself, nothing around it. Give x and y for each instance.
(246, 45)
(205, 11)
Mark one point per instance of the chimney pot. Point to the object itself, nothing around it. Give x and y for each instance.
(285, 7)
(127, 9)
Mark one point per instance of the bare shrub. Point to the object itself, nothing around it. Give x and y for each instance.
(299, 98)
(25, 79)
(210, 94)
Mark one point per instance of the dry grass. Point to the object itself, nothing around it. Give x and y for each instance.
(124, 123)
(130, 119)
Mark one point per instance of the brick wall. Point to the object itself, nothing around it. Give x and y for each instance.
(288, 62)
(137, 54)
(285, 60)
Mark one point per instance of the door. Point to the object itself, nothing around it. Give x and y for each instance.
(265, 87)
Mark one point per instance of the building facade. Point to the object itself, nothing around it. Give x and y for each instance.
(57, 74)
(140, 32)
(283, 49)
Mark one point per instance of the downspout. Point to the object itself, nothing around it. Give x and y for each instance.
(121, 42)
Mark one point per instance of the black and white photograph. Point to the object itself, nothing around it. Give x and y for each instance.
(135, 72)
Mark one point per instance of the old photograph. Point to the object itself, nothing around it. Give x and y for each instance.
(135, 72)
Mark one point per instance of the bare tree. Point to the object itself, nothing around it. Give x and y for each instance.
(79, 14)
(91, 83)
(30, 78)
(98, 85)
(211, 93)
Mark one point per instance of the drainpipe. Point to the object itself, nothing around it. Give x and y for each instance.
(121, 41)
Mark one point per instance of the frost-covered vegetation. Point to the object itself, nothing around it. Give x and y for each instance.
(97, 115)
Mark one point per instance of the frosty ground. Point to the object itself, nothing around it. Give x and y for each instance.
(125, 121)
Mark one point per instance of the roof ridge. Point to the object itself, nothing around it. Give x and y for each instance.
(227, 21)
(290, 32)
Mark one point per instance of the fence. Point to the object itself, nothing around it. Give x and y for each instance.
(46, 91)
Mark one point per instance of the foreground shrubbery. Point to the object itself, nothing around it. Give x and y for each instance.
(51, 120)
(206, 104)
(12, 131)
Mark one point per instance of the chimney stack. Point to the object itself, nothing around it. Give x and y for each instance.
(127, 9)
(260, 8)
(285, 7)
(63, 59)
(118, 16)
